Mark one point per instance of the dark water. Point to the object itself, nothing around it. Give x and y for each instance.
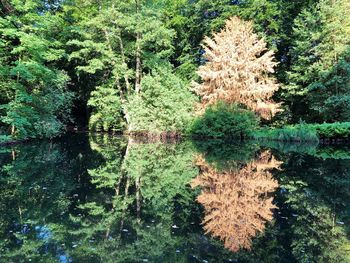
(110, 199)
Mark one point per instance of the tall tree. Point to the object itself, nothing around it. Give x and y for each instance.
(319, 79)
(35, 101)
(237, 69)
(193, 20)
(117, 43)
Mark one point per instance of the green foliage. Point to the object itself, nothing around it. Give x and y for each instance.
(332, 130)
(107, 112)
(118, 54)
(38, 115)
(35, 101)
(317, 87)
(305, 132)
(223, 154)
(224, 121)
(297, 133)
(5, 138)
(165, 104)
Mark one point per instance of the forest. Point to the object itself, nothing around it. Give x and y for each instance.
(267, 70)
(175, 131)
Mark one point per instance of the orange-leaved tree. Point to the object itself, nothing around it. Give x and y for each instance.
(237, 204)
(238, 69)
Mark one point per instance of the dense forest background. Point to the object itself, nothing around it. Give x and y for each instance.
(130, 65)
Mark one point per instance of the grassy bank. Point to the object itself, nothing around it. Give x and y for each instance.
(305, 132)
(241, 129)
(297, 133)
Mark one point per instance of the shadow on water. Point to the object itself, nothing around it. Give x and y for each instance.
(98, 198)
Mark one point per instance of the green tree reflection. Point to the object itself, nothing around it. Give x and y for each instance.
(315, 197)
(35, 186)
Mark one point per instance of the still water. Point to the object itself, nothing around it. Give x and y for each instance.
(98, 198)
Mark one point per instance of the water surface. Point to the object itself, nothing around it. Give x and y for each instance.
(98, 198)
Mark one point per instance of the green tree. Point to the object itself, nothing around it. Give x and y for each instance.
(107, 111)
(164, 105)
(318, 82)
(35, 100)
(117, 44)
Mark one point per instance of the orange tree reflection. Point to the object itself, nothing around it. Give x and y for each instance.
(237, 203)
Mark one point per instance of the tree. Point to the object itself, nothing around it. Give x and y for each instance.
(117, 44)
(237, 69)
(236, 203)
(164, 105)
(34, 98)
(318, 83)
(107, 112)
(192, 20)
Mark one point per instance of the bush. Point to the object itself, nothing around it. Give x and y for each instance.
(40, 115)
(296, 133)
(165, 104)
(332, 130)
(107, 111)
(306, 132)
(224, 121)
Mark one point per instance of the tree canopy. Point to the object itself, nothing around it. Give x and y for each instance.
(129, 66)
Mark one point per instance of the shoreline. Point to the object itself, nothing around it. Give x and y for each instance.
(176, 137)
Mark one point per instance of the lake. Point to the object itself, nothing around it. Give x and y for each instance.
(100, 198)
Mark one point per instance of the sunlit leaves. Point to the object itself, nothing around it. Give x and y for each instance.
(237, 69)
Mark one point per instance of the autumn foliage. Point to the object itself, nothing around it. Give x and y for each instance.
(237, 69)
(237, 203)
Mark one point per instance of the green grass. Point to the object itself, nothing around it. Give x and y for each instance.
(305, 132)
(287, 134)
(332, 130)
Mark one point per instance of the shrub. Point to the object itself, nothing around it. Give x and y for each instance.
(40, 115)
(332, 130)
(224, 121)
(165, 104)
(306, 132)
(107, 111)
(296, 133)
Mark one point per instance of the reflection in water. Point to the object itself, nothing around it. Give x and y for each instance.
(130, 219)
(112, 199)
(237, 203)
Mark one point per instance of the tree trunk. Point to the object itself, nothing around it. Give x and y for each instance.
(7, 7)
(138, 55)
(126, 79)
(13, 130)
(138, 198)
